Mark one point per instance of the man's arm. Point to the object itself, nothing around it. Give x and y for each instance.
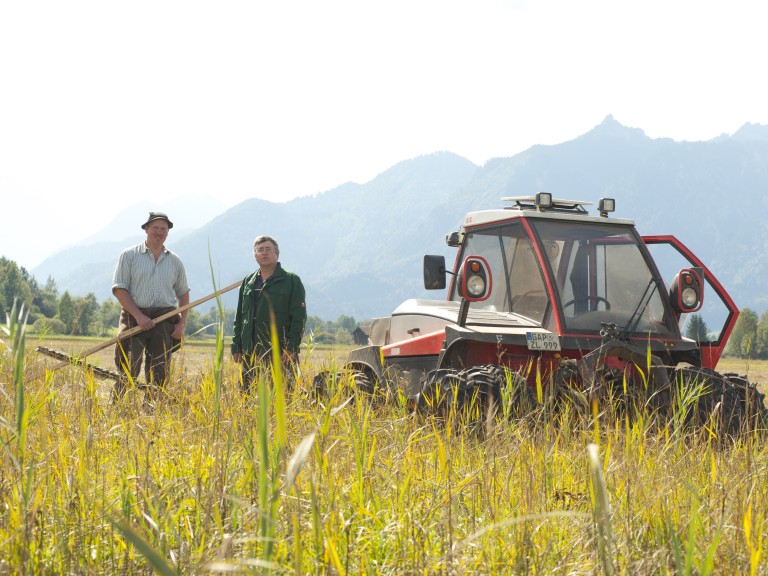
(298, 316)
(178, 330)
(129, 306)
(236, 347)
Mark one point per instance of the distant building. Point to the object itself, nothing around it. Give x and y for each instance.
(360, 335)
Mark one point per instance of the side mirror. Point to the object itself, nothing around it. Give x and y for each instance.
(687, 291)
(474, 279)
(434, 272)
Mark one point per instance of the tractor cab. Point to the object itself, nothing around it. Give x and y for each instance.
(570, 272)
(568, 277)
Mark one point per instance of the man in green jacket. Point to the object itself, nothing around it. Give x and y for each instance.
(269, 292)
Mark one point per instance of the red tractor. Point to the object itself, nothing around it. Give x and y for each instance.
(563, 300)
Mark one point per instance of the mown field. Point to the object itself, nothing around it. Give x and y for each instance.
(214, 482)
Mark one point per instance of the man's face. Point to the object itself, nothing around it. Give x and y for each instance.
(157, 231)
(266, 254)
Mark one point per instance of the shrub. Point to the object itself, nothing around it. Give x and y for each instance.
(50, 326)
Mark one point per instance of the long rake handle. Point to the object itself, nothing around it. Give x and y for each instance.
(135, 330)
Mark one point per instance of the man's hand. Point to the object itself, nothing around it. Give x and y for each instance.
(144, 321)
(178, 331)
(237, 357)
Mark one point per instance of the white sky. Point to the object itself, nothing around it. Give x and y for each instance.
(105, 103)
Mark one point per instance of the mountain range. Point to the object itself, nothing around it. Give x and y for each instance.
(359, 247)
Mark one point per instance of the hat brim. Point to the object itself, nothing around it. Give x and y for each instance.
(147, 223)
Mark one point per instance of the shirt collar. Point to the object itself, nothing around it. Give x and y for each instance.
(145, 248)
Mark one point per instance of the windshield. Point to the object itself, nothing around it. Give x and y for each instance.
(599, 272)
(602, 276)
(518, 285)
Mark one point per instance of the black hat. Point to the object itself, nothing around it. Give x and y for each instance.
(157, 216)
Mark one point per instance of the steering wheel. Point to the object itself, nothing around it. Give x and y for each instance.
(588, 299)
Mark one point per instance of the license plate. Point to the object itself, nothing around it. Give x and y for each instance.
(543, 341)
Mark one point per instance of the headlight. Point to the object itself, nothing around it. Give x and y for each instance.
(475, 286)
(474, 279)
(689, 297)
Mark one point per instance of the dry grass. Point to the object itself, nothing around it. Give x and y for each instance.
(211, 481)
(194, 357)
(755, 370)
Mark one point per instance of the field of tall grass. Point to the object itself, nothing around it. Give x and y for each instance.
(212, 482)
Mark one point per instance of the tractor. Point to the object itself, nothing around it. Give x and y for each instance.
(567, 302)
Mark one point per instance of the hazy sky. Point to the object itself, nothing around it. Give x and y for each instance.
(103, 103)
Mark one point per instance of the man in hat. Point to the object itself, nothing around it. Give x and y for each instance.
(149, 281)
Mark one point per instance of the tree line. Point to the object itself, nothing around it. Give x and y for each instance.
(749, 338)
(65, 314)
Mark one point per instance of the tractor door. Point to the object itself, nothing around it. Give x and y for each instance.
(711, 325)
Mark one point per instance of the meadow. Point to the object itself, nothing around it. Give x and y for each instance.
(214, 482)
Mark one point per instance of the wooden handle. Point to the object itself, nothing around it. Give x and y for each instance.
(137, 329)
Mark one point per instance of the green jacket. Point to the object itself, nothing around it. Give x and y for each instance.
(283, 293)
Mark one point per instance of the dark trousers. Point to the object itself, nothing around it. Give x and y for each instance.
(152, 347)
(260, 360)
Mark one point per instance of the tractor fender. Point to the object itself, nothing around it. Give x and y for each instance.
(452, 355)
(367, 359)
(387, 375)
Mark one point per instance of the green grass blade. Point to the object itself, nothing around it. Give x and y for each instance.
(153, 556)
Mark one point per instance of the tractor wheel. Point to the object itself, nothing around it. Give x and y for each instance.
(567, 388)
(436, 390)
(752, 401)
(461, 397)
(362, 383)
(323, 383)
(518, 399)
(489, 386)
(358, 382)
(729, 400)
(480, 390)
(615, 392)
(472, 392)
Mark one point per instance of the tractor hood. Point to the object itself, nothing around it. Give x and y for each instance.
(449, 311)
(415, 318)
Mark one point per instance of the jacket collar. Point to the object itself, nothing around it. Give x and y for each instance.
(278, 273)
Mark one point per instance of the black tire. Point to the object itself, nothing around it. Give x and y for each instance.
(752, 401)
(323, 382)
(518, 399)
(480, 390)
(617, 392)
(436, 388)
(568, 388)
(474, 391)
(360, 382)
(731, 402)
